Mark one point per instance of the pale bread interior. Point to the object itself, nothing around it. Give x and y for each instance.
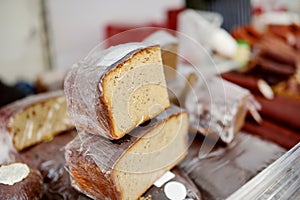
(154, 154)
(39, 122)
(136, 91)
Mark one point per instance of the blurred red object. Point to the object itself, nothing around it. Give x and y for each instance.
(138, 32)
(270, 130)
(172, 18)
(130, 33)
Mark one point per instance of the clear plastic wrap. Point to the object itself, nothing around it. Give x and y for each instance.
(33, 119)
(218, 108)
(7, 153)
(107, 169)
(224, 169)
(88, 106)
(280, 180)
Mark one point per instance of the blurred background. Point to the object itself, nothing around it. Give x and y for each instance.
(37, 35)
(40, 35)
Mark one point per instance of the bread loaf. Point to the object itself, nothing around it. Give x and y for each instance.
(111, 93)
(34, 119)
(169, 51)
(126, 168)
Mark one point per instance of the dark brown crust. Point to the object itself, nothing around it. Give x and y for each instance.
(89, 179)
(29, 188)
(107, 115)
(88, 175)
(71, 91)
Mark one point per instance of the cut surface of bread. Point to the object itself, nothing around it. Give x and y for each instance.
(35, 119)
(126, 168)
(120, 89)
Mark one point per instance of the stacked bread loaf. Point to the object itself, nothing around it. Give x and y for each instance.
(128, 134)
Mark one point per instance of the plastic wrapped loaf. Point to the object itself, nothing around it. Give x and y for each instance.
(169, 51)
(126, 168)
(111, 92)
(219, 108)
(34, 119)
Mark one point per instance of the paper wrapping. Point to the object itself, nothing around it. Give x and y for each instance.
(91, 158)
(84, 90)
(217, 108)
(39, 128)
